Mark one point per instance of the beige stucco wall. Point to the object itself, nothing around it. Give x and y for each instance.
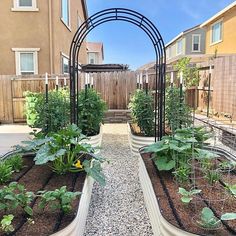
(228, 45)
(31, 30)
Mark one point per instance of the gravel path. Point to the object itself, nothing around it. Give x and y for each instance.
(118, 208)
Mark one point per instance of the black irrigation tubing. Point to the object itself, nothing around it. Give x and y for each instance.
(175, 213)
(24, 173)
(61, 215)
(24, 220)
(231, 230)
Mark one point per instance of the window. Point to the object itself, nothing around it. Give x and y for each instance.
(24, 5)
(196, 42)
(92, 58)
(65, 65)
(65, 12)
(26, 61)
(179, 47)
(216, 32)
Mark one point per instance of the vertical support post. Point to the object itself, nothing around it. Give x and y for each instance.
(172, 79)
(141, 80)
(46, 100)
(64, 82)
(57, 83)
(137, 80)
(146, 83)
(92, 82)
(209, 92)
(181, 95)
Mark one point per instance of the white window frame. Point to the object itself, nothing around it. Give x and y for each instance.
(68, 26)
(211, 30)
(96, 58)
(64, 56)
(199, 46)
(17, 7)
(18, 51)
(179, 53)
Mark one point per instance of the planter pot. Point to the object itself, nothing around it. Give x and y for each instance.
(77, 226)
(160, 225)
(95, 140)
(136, 142)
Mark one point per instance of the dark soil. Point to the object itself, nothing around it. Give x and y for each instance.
(184, 215)
(46, 222)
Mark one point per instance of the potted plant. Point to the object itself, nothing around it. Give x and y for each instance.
(180, 206)
(49, 193)
(141, 130)
(91, 111)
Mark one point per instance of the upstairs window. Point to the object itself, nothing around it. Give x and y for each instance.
(196, 42)
(92, 58)
(65, 12)
(26, 61)
(216, 32)
(24, 5)
(179, 47)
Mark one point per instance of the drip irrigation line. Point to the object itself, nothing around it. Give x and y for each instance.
(25, 216)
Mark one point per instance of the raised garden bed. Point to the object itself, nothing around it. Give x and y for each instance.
(137, 141)
(171, 217)
(48, 222)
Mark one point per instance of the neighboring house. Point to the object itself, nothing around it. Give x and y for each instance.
(95, 53)
(221, 31)
(190, 43)
(36, 35)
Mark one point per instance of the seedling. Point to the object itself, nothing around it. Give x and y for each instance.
(187, 196)
(212, 176)
(5, 172)
(16, 162)
(209, 221)
(231, 188)
(6, 223)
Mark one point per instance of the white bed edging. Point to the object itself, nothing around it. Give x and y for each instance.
(160, 226)
(137, 142)
(77, 226)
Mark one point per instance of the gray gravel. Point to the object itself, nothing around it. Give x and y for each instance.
(118, 208)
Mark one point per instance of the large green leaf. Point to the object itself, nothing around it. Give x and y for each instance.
(163, 164)
(228, 216)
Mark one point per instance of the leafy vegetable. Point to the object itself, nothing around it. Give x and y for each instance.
(187, 196)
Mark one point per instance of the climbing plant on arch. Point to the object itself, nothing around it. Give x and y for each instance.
(137, 19)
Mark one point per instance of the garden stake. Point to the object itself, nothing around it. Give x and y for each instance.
(57, 83)
(209, 92)
(181, 95)
(46, 100)
(146, 83)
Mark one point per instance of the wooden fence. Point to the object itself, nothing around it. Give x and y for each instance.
(115, 88)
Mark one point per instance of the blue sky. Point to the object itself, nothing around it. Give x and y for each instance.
(127, 44)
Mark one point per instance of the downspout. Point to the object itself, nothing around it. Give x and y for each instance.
(50, 36)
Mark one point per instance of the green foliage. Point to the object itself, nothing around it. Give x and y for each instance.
(231, 188)
(56, 113)
(187, 196)
(6, 223)
(190, 73)
(142, 111)
(15, 195)
(178, 114)
(64, 152)
(212, 176)
(57, 199)
(16, 162)
(91, 111)
(209, 221)
(5, 172)
(227, 165)
(182, 173)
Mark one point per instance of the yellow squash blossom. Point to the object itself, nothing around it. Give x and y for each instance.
(78, 165)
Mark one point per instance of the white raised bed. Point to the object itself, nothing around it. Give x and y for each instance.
(77, 226)
(160, 226)
(96, 140)
(136, 142)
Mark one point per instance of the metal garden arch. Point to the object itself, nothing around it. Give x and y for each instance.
(135, 18)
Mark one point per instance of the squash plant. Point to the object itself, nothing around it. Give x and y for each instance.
(64, 152)
(91, 111)
(142, 111)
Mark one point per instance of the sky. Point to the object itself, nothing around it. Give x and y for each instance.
(127, 44)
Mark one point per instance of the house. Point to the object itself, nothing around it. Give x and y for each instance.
(36, 35)
(189, 43)
(220, 31)
(95, 53)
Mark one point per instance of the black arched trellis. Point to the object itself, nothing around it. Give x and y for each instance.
(135, 18)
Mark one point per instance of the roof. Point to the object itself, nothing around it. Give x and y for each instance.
(220, 13)
(182, 34)
(104, 67)
(95, 47)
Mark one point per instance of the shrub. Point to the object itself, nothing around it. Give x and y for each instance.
(141, 106)
(5, 172)
(91, 110)
(55, 113)
(178, 114)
